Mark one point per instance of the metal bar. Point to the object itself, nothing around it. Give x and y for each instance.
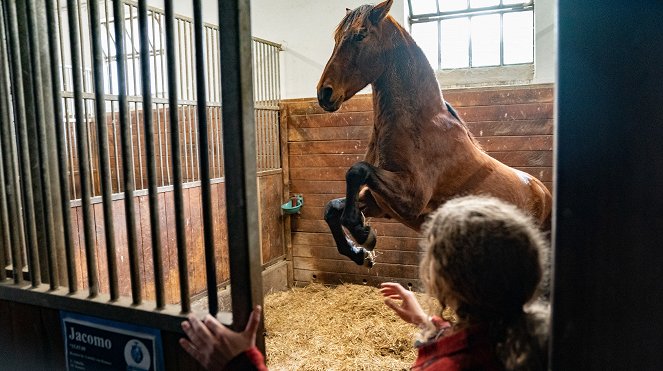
(61, 148)
(24, 167)
(161, 47)
(125, 133)
(239, 144)
(5, 241)
(160, 143)
(89, 142)
(205, 187)
(464, 13)
(36, 259)
(108, 45)
(115, 149)
(83, 154)
(71, 143)
(40, 126)
(61, 50)
(165, 124)
(102, 138)
(134, 76)
(81, 38)
(177, 166)
(149, 148)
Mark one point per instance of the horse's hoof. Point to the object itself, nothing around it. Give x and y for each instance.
(369, 259)
(371, 240)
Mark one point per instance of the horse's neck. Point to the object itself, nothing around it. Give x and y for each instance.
(407, 91)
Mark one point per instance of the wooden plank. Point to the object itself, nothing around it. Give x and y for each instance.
(100, 237)
(272, 231)
(308, 186)
(394, 229)
(81, 250)
(197, 251)
(333, 133)
(383, 256)
(163, 238)
(516, 143)
(335, 119)
(121, 250)
(529, 111)
(173, 274)
(145, 236)
(324, 160)
(319, 173)
(385, 243)
(353, 146)
(500, 95)
(514, 127)
(223, 252)
(307, 106)
(524, 158)
(348, 266)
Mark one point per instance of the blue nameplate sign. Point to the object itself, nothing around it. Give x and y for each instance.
(99, 344)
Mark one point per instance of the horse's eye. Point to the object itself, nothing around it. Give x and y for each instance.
(359, 36)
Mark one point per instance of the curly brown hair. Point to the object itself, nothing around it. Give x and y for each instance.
(486, 259)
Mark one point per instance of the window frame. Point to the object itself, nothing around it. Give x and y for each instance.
(468, 13)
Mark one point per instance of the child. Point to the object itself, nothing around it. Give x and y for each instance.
(483, 262)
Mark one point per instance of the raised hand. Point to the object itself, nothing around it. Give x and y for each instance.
(409, 309)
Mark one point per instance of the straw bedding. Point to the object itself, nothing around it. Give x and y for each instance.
(346, 327)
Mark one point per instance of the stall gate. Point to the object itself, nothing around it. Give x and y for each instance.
(94, 111)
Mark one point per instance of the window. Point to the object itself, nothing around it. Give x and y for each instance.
(473, 33)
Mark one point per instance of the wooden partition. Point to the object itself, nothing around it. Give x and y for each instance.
(513, 124)
(271, 231)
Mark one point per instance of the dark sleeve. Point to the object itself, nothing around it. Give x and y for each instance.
(250, 360)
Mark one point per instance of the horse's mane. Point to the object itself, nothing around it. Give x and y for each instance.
(455, 114)
(358, 16)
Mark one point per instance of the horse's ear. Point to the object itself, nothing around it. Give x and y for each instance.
(380, 11)
(347, 11)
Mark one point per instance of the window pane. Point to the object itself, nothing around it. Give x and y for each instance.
(423, 6)
(518, 37)
(449, 5)
(512, 2)
(486, 40)
(455, 43)
(483, 3)
(425, 34)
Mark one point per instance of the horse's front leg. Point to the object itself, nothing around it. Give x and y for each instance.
(406, 199)
(345, 246)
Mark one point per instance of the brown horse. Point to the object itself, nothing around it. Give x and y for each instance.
(420, 153)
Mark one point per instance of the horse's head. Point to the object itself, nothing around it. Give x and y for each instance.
(358, 56)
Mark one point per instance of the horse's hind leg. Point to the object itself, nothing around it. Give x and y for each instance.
(345, 246)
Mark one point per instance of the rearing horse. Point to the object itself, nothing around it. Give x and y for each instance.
(420, 153)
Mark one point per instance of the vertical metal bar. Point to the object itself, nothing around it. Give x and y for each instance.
(205, 187)
(61, 50)
(82, 43)
(61, 147)
(177, 165)
(109, 45)
(239, 144)
(192, 139)
(89, 142)
(71, 143)
(20, 121)
(14, 236)
(160, 143)
(40, 125)
(125, 129)
(102, 138)
(83, 154)
(165, 125)
(5, 242)
(134, 76)
(115, 149)
(149, 148)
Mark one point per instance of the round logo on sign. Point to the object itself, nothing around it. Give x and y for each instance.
(137, 355)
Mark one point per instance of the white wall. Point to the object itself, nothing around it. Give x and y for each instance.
(305, 28)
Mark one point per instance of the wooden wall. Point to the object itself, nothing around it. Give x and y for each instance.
(271, 189)
(513, 124)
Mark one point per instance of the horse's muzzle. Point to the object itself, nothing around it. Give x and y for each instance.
(326, 99)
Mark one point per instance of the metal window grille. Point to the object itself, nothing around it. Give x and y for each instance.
(431, 21)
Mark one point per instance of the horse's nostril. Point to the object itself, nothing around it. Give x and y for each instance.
(325, 93)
